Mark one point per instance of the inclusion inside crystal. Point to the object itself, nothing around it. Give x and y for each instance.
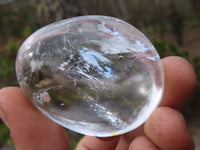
(95, 75)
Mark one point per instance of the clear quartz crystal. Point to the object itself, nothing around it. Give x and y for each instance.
(95, 75)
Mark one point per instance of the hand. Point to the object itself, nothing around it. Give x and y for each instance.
(165, 129)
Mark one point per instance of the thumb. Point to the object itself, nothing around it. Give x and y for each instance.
(29, 129)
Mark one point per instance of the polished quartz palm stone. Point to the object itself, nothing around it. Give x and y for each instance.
(95, 75)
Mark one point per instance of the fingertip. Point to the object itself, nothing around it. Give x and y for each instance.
(142, 143)
(8, 103)
(167, 129)
(180, 80)
(93, 143)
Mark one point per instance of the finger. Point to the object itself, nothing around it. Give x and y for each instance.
(179, 83)
(93, 143)
(166, 127)
(127, 138)
(30, 130)
(142, 143)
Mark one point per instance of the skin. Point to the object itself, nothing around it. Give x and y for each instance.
(165, 129)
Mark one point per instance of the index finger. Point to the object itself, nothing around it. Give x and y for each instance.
(180, 80)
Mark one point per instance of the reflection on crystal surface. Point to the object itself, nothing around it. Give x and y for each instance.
(95, 75)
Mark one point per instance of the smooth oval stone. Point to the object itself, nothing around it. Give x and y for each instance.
(95, 75)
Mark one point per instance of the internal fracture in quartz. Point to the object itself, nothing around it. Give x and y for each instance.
(95, 75)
